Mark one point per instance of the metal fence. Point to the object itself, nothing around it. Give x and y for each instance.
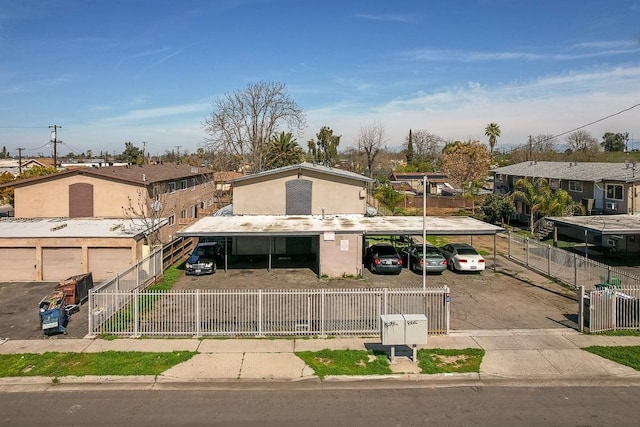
(570, 268)
(610, 309)
(319, 312)
(135, 278)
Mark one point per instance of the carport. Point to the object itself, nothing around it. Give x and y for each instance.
(337, 240)
(617, 233)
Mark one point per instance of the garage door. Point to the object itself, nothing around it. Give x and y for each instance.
(105, 263)
(60, 263)
(17, 264)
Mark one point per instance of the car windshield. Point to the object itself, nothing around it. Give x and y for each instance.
(467, 251)
(386, 250)
(432, 253)
(206, 251)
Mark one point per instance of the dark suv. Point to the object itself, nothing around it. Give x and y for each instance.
(383, 258)
(203, 259)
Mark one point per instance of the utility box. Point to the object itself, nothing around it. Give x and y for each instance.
(415, 329)
(392, 329)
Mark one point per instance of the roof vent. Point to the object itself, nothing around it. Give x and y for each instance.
(144, 177)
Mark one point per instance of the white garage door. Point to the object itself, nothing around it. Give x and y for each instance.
(105, 263)
(61, 263)
(17, 264)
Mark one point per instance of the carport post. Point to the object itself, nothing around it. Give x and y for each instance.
(494, 252)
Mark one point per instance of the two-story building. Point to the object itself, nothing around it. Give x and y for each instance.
(151, 201)
(603, 188)
(314, 217)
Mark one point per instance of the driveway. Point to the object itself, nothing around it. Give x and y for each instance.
(488, 300)
(20, 316)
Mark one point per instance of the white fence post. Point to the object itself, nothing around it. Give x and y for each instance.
(259, 320)
(198, 315)
(136, 312)
(323, 331)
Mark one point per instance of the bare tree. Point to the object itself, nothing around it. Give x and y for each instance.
(243, 122)
(581, 140)
(427, 146)
(371, 139)
(148, 209)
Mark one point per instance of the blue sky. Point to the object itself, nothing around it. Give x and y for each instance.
(149, 70)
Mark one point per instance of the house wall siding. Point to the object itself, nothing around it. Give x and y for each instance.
(267, 195)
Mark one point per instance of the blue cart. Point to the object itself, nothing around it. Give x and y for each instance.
(53, 316)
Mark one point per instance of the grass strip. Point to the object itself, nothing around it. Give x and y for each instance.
(441, 361)
(345, 362)
(625, 355)
(54, 364)
(361, 362)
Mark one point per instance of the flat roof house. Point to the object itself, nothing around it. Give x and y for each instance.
(312, 214)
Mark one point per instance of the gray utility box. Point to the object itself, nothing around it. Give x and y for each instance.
(403, 329)
(392, 329)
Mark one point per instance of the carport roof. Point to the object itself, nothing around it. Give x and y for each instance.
(603, 224)
(13, 228)
(301, 225)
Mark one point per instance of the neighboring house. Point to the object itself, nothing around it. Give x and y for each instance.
(53, 249)
(312, 216)
(13, 166)
(436, 181)
(603, 188)
(164, 197)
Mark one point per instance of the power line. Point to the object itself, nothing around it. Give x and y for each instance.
(596, 121)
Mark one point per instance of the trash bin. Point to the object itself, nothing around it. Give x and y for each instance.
(53, 316)
(76, 288)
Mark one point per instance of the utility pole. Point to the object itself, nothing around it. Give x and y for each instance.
(20, 160)
(54, 139)
(144, 147)
(530, 149)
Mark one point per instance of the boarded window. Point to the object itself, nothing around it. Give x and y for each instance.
(80, 200)
(298, 197)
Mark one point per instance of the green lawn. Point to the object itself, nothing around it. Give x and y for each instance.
(80, 364)
(361, 362)
(628, 356)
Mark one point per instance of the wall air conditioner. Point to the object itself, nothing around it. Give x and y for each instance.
(611, 206)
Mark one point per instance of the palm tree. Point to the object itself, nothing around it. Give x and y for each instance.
(283, 150)
(493, 132)
(534, 193)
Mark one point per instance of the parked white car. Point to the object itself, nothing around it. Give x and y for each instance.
(462, 257)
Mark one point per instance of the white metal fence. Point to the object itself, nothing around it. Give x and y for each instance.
(135, 278)
(610, 309)
(570, 268)
(320, 312)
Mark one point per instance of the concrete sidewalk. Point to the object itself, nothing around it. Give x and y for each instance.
(541, 354)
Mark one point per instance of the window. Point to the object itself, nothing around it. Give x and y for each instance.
(183, 184)
(194, 184)
(172, 220)
(575, 186)
(172, 187)
(194, 211)
(183, 213)
(614, 191)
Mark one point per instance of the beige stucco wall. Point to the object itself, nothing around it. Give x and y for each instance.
(267, 195)
(340, 254)
(50, 199)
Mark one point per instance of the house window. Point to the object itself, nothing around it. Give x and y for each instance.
(614, 191)
(172, 220)
(183, 184)
(183, 214)
(194, 211)
(194, 184)
(172, 187)
(575, 186)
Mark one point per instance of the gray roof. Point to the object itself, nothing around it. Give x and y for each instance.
(603, 224)
(576, 171)
(305, 166)
(12, 228)
(314, 225)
